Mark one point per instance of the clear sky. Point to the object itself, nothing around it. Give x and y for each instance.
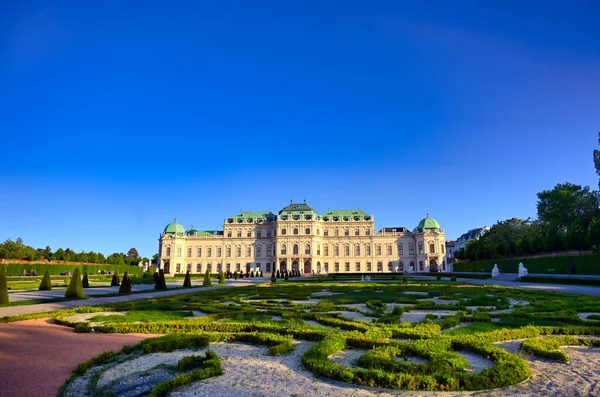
(117, 116)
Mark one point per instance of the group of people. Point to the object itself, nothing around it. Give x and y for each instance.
(32, 273)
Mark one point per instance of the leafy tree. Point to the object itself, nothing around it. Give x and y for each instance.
(85, 282)
(207, 282)
(125, 284)
(46, 283)
(75, 288)
(222, 277)
(597, 159)
(593, 236)
(187, 282)
(3, 286)
(567, 205)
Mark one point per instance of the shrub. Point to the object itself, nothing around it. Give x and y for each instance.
(46, 284)
(278, 274)
(85, 282)
(438, 277)
(160, 282)
(222, 278)
(405, 279)
(187, 282)
(273, 278)
(75, 288)
(115, 280)
(173, 342)
(548, 347)
(125, 284)
(207, 282)
(286, 277)
(452, 278)
(3, 286)
(235, 275)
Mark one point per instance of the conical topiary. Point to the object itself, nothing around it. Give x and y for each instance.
(46, 284)
(235, 275)
(187, 281)
(286, 277)
(160, 282)
(85, 282)
(115, 280)
(273, 278)
(278, 274)
(207, 282)
(125, 284)
(221, 278)
(75, 288)
(3, 286)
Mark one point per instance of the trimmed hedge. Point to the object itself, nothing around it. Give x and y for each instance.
(16, 269)
(46, 283)
(548, 347)
(3, 286)
(561, 280)
(75, 288)
(584, 264)
(457, 274)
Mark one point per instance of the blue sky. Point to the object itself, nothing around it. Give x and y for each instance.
(116, 117)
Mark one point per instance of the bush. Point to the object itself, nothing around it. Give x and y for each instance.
(438, 277)
(46, 284)
(235, 275)
(207, 282)
(85, 282)
(75, 288)
(405, 279)
(125, 284)
(548, 347)
(273, 278)
(16, 269)
(160, 282)
(3, 286)
(286, 277)
(585, 264)
(222, 278)
(115, 280)
(452, 278)
(187, 282)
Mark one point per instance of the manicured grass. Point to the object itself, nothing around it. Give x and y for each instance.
(143, 316)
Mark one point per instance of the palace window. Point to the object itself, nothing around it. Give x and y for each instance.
(283, 249)
(390, 266)
(199, 252)
(337, 266)
(389, 249)
(219, 267)
(199, 268)
(421, 266)
(369, 268)
(259, 235)
(178, 251)
(189, 252)
(269, 250)
(379, 266)
(336, 250)
(189, 267)
(357, 250)
(368, 249)
(346, 232)
(412, 265)
(421, 248)
(347, 266)
(442, 248)
(258, 250)
(168, 251)
(248, 251)
(268, 234)
(318, 249)
(367, 232)
(432, 248)
(411, 249)
(239, 234)
(258, 266)
(337, 231)
(238, 251)
(209, 268)
(268, 269)
(326, 232)
(346, 250)
(401, 267)
(326, 266)
(228, 267)
(229, 233)
(283, 232)
(325, 250)
(238, 267)
(318, 232)
(178, 268)
(209, 252)
(307, 249)
(400, 249)
(357, 232)
(228, 251)
(378, 250)
(249, 234)
(307, 230)
(295, 230)
(295, 249)
(219, 252)
(357, 266)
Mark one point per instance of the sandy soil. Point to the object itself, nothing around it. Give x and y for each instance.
(37, 356)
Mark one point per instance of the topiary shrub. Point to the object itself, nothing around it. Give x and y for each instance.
(235, 275)
(405, 279)
(286, 277)
(125, 285)
(273, 278)
(206, 282)
(85, 282)
(46, 284)
(75, 288)
(222, 278)
(187, 281)
(159, 281)
(278, 275)
(115, 280)
(438, 278)
(452, 278)
(3, 286)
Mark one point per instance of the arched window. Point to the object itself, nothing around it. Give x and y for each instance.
(401, 267)
(295, 230)
(295, 249)
(442, 248)
(390, 266)
(283, 231)
(283, 249)
(168, 251)
(307, 249)
(357, 231)
(307, 230)
(379, 266)
(431, 248)
(318, 249)
(189, 267)
(238, 251)
(199, 268)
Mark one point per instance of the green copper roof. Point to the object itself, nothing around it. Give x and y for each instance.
(202, 233)
(174, 227)
(302, 208)
(251, 216)
(351, 214)
(191, 232)
(428, 223)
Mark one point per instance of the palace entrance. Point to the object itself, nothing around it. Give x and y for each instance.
(295, 266)
(433, 267)
(282, 266)
(307, 267)
(167, 268)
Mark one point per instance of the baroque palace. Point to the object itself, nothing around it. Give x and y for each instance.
(338, 241)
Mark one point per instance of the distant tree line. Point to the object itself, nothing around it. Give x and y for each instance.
(568, 218)
(17, 250)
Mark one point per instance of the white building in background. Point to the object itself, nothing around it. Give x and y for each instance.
(299, 238)
(471, 235)
(450, 249)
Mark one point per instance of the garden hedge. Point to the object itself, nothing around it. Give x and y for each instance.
(16, 269)
(584, 264)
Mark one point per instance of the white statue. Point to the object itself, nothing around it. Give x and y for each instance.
(362, 278)
(369, 278)
(495, 271)
(522, 270)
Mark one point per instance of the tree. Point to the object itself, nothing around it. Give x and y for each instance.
(3, 286)
(86, 281)
(273, 278)
(597, 159)
(159, 280)
(125, 284)
(567, 205)
(593, 236)
(115, 280)
(46, 284)
(207, 282)
(75, 288)
(187, 281)
(132, 254)
(286, 277)
(222, 277)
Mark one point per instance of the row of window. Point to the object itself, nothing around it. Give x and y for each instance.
(219, 267)
(296, 231)
(369, 267)
(307, 250)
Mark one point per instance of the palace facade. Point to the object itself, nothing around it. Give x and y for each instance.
(338, 241)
